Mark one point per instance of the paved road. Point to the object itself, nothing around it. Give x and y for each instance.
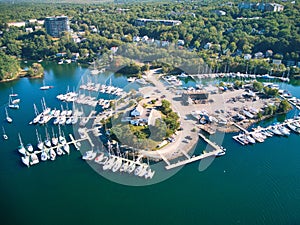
(173, 150)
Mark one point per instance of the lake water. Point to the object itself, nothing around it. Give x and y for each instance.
(258, 184)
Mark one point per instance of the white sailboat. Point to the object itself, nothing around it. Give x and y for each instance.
(47, 140)
(21, 147)
(26, 160)
(8, 119)
(37, 115)
(40, 144)
(59, 151)
(54, 139)
(45, 87)
(5, 137)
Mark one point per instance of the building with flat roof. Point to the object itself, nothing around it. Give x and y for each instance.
(143, 22)
(56, 25)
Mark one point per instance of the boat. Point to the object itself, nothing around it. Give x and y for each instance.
(131, 167)
(61, 137)
(44, 156)
(29, 147)
(143, 171)
(131, 79)
(109, 164)
(183, 75)
(275, 131)
(66, 148)
(59, 151)
(5, 137)
(12, 93)
(220, 153)
(45, 87)
(149, 174)
(99, 158)
(293, 128)
(37, 115)
(52, 154)
(89, 155)
(11, 104)
(21, 147)
(40, 144)
(117, 165)
(47, 140)
(138, 170)
(250, 139)
(34, 159)
(124, 167)
(285, 131)
(54, 139)
(26, 160)
(8, 119)
(257, 137)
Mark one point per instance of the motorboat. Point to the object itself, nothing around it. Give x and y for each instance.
(285, 131)
(257, 137)
(250, 139)
(220, 153)
(149, 174)
(275, 130)
(143, 171)
(293, 128)
(109, 164)
(26, 160)
(89, 155)
(99, 158)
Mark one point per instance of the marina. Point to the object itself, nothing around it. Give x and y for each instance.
(65, 173)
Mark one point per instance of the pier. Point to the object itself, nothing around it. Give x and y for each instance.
(217, 149)
(241, 128)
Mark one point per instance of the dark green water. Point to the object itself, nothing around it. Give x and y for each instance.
(257, 184)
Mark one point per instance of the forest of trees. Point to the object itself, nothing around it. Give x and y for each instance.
(237, 33)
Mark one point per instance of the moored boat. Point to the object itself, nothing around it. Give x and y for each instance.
(4, 135)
